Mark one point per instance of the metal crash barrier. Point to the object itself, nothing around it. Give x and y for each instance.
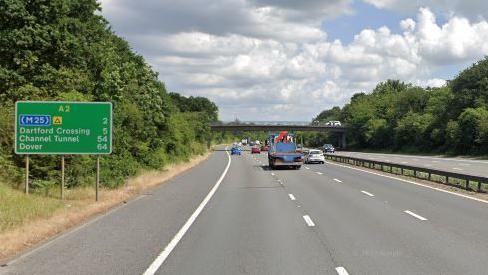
(464, 181)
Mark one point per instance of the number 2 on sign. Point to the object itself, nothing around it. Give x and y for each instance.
(105, 121)
(64, 108)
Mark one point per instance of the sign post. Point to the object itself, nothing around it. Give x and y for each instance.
(62, 177)
(27, 174)
(97, 185)
(63, 128)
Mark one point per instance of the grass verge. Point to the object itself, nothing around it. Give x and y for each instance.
(28, 220)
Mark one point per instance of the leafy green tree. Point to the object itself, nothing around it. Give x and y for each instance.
(328, 115)
(65, 50)
(470, 88)
(472, 127)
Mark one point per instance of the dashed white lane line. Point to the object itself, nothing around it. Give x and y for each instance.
(338, 180)
(415, 215)
(411, 182)
(291, 197)
(367, 193)
(319, 173)
(404, 162)
(308, 220)
(273, 174)
(341, 270)
(156, 264)
(307, 168)
(456, 168)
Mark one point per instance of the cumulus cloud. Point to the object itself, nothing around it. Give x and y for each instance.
(473, 9)
(266, 60)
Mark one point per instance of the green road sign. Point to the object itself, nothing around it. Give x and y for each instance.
(63, 128)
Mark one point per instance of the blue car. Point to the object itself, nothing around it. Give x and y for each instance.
(235, 151)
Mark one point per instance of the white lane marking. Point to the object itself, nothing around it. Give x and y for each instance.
(319, 173)
(308, 220)
(404, 162)
(307, 168)
(341, 270)
(151, 270)
(338, 180)
(367, 193)
(412, 182)
(434, 159)
(280, 182)
(415, 215)
(291, 197)
(465, 164)
(455, 168)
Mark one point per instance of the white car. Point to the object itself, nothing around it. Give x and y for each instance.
(314, 156)
(334, 123)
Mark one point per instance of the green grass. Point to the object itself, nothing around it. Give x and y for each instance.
(16, 208)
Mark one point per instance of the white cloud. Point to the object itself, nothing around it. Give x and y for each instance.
(473, 9)
(266, 60)
(456, 41)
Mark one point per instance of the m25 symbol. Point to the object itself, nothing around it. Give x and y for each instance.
(35, 120)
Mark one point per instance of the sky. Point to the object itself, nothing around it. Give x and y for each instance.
(289, 59)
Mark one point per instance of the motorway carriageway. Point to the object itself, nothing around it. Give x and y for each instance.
(455, 165)
(232, 215)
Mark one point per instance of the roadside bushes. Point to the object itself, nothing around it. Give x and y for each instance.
(65, 50)
(400, 117)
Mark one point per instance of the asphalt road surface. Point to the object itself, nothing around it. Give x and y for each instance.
(455, 165)
(247, 219)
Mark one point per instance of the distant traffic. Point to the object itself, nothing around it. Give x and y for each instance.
(283, 151)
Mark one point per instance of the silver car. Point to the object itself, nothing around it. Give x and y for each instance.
(315, 156)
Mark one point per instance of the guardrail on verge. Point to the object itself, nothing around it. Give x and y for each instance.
(463, 181)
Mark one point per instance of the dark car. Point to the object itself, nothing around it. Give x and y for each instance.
(264, 148)
(328, 148)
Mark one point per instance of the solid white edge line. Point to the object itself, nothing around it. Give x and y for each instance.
(415, 215)
(308, 220)
(433, 159)
(412, 182)
(156, 264)
(291, 197)
(338, 180)
(341, 270)
(367, 193)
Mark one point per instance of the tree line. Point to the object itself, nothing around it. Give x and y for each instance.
(65, 50)
(397, 116)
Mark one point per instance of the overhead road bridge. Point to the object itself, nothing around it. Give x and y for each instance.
(281, 127)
